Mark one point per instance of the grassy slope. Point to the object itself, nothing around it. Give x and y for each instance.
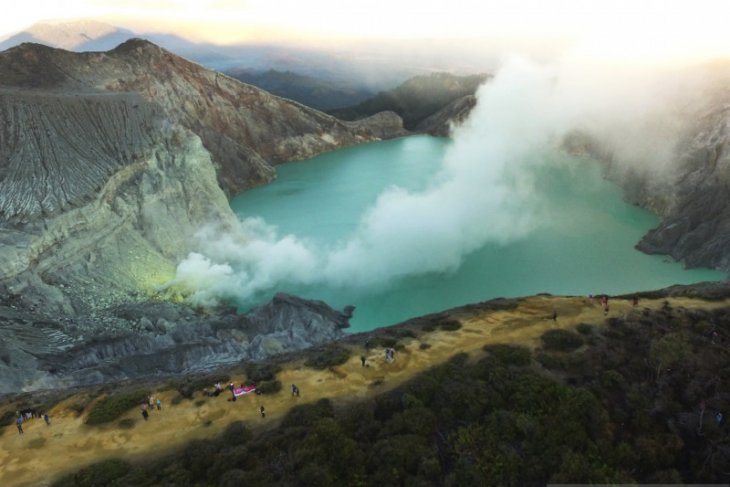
(622, 415)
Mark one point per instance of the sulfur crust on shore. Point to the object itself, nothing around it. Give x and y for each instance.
(44, 453)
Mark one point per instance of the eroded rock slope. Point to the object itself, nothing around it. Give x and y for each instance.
(109, 163)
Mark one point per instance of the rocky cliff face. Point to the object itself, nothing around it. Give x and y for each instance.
(109, 163)
(152, 339)
(441, 123)
(695, 225)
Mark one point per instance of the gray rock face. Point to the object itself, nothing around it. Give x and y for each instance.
(109, 162)
(441, 123)
(56, 151)
(152, 339)
(695, 226)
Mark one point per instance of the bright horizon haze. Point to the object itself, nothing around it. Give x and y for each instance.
(627, 31)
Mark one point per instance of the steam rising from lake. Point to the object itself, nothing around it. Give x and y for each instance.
(482, 193)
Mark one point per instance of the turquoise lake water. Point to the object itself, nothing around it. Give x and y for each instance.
(584, 243)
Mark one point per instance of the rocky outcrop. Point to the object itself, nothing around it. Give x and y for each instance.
(152, 339)
(695, 226)
(110, 161)
(417, 98)
(441, 123)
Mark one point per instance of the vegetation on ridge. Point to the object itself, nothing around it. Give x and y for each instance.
(638, 403)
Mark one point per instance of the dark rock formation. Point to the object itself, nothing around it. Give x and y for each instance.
(152, 339)
(695, 225)
(416, 99)
(441, 123)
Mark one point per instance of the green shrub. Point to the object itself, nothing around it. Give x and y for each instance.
(510, 354)
(405, 333)
(80, 404)
(112, 407)
(269, 387)
(102, 473)
(562, 340)
(428, 327)
(236, 433)
(257, 372)
(450, 325)
(7, 418)
(176, 400)
(584, 329)
(308, 414)
(553, 361)
(327, 357)
(187, 387)
(424, 346)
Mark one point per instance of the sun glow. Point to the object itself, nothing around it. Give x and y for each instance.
(636, 31)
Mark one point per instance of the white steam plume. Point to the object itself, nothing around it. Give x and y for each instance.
(481, 194)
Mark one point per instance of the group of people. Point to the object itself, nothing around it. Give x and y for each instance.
(148, 404)
(27, 415)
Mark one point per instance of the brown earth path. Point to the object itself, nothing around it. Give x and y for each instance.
(44, 453)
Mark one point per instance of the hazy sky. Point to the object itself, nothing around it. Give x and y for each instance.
(637, 29)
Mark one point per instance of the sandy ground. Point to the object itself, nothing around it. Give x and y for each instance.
(45, 452)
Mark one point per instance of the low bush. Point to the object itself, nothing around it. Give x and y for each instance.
(553, 361)
(112, 407)
(562, 340)
(327, 357)
(257, 372)
(187, 387)
(584, 329)
(236, 433)
(429, 327)
(450, 325)
(80, 404)
(102, 473)
(510, 354)
(269, 387)
(405, 333)
(308, 414)
(7, 418)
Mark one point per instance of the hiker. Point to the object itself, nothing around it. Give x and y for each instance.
(152, 403)
(555, 315)
(19, 422)
(262, 411)
(159, 404)
(45, 418)
(363, 359)
(718, 418)
(145, 414)
(636, 300)
(294, 390)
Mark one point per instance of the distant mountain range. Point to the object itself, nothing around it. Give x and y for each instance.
(322, 94)
(346, 77)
